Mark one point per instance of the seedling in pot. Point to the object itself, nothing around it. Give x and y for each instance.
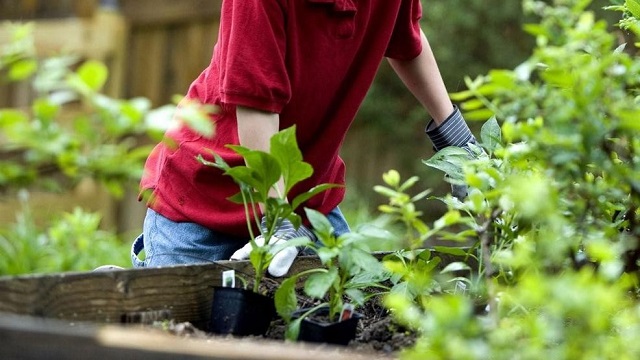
(258, 180)
(349, 268)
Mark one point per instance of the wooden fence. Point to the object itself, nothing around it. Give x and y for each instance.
(153, 49)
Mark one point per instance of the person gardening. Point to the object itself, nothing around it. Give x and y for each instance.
(279, 63)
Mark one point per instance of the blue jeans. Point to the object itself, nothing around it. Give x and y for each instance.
(166, 242)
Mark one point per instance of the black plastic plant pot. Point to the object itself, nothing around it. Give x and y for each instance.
(240, 312)
(318, 331)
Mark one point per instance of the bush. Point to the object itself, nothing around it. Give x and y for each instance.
(70, 133)
(553, 203)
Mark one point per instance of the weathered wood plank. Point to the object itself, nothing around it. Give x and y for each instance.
(40, 9)
(29, 338)
(109, 296)
(148, 62)
(149, 12)
(183, 293)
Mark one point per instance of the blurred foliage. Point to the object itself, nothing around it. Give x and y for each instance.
(469, 38)
(392, 116)
(553, 206)
(70, 133)
(70, 127)
(72, 242)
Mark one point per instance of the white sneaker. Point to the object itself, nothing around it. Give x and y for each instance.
(108, 268)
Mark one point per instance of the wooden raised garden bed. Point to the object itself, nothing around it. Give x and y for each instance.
(100, 313)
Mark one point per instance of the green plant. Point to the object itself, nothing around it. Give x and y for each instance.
(71, 127)
(72, 242)
(350, 270)
(257, 179)
(554, 204)
(412, 267)
(70, 132)
(630, 10)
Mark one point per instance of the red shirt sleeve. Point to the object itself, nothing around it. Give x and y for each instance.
(405, 43)
(251, 50)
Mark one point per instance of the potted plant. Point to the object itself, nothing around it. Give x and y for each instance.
(232, 307)
(349, 268)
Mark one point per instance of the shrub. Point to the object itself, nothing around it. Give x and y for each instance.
(554, 207)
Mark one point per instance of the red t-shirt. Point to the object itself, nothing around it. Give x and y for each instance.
(312, 62)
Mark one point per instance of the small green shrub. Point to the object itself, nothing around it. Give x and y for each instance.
(349, 272)
(257, 179)
(72, 242)
(554, 207)
(70, 132)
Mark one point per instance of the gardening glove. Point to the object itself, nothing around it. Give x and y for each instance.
(454, 131)
(281, 261)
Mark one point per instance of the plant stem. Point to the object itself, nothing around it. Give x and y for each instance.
(485, 245)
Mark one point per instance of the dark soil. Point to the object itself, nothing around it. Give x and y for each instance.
(377, 332)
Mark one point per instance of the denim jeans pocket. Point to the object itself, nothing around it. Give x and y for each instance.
(136, 248)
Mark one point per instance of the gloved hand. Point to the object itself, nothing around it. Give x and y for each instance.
(454, 131)
(283, 260)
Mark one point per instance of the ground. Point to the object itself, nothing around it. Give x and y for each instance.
(377, 332)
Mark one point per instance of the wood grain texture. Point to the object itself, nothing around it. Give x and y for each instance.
(184, 292)
(167, 11)
(109, 296)
(28, 338)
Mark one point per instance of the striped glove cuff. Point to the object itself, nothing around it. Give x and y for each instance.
(286, 230)
(454, 131)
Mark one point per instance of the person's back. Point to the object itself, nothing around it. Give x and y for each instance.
(310, 61)
(280, 63)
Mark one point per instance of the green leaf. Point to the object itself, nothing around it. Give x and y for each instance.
(259, 256)
(629, 119)
(22, 69)
(409, 183)
(45, 110)
(317, 285)
(300, 199)
(455, 266)
(427, 268)
(356, 295)
(451, 217)
(449, 160)
(261, 172)
(425, 255)
(491, 134)
(12, 117)
(634, 7)
(481, 114)
(461, 95)
(473, 104)
(450, 250)
(284, 148)
(93, 74)
(321, 225)
(395, 266)
(385, 191)
(285, 298)
(244, 175)
(365, 279)
(326, 254)
(293, 330)
(197, 117)
(362, 259)
(391, 178)
(402, 289)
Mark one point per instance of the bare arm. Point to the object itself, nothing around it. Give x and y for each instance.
(422, 77)
(255, 129)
